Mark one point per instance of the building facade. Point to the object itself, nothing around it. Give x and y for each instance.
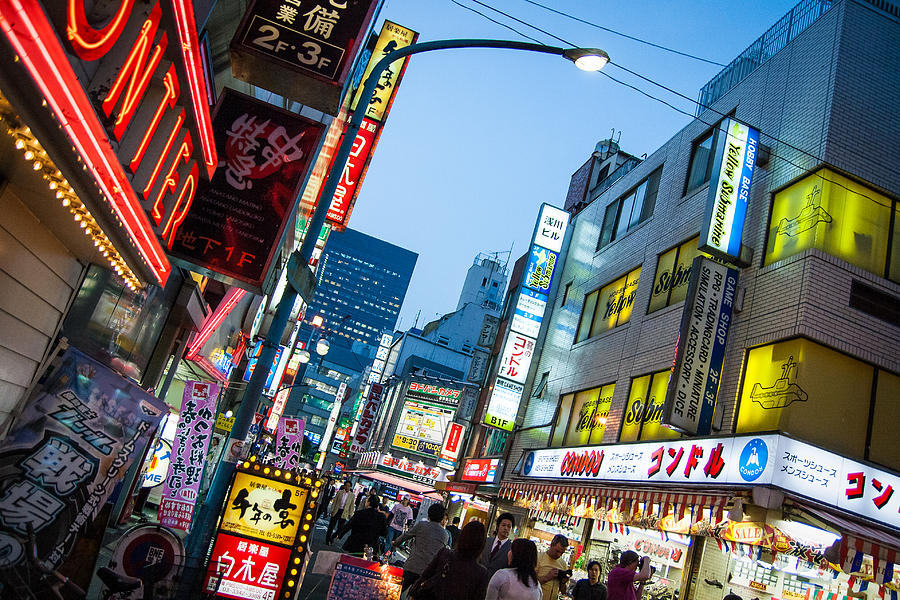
(810, 370)
(362, 282)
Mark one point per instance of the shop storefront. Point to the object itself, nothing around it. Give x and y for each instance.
(764, 517)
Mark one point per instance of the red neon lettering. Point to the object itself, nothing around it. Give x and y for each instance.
(89, 43)
(182, 204)
(170, 183)
(159, 164)
(170, 81)
(136, 73)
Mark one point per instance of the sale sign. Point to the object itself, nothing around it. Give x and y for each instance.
(195, 425)
(288, 443)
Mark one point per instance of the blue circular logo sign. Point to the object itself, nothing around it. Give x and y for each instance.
(754, 458)
(529, 462)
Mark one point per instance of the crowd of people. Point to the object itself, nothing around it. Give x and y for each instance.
(445, 562)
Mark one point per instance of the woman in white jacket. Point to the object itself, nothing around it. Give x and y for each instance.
(519, 581)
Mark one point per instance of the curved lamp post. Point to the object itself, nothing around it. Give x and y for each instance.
(588, 59)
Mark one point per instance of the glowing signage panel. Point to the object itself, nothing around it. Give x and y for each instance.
(264, 509)
(504, 404)
(729, 191)
(421, 428)
(551, 228)
(516, 357)
(540, 269)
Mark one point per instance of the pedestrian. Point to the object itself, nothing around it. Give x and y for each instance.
(399, 515)
(552, 569)
(341, 509)
(453, 530)
(497, 547)
(428, 537)
(519, 581)
(624, 581)
(455, 574)
(591, 588)
(365, 527)
(328, 491)
(361, 498)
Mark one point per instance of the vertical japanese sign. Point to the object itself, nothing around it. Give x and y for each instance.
(367, 420)
(195, 425)
(697, 372)
(277, 408)
(78, 434)
(729, 191)
(302, 50)
(525, 323)
(236, 221)
(289, 443)
(452, 445)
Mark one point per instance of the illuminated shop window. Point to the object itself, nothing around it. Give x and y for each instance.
(630, 210)
(828, 211)
(582, 417)
(643, 411)
(608, 307)
(673, 273)
(807, 390)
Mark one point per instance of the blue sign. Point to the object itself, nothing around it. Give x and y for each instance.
(529, 463)
(753, 461)
(251, 364)
(540, 269)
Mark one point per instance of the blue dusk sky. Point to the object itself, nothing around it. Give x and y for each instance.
(477, 139)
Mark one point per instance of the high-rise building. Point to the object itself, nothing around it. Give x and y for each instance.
(362, 282)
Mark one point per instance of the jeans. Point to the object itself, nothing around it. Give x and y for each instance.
(334, 525)
(391, 534)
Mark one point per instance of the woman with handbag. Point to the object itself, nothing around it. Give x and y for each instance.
(455, 574)
(519, 581)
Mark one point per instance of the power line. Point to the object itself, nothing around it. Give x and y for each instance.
(625, 35)
(536, 41)
(677, 93)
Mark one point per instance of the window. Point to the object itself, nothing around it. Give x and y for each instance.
(630, 210)
(541, 386)
(608, 307)
(702, 161)
(673, 273)
(807, 390)
(835, 214)
(565, 297)
(582, 417)
(643, 411)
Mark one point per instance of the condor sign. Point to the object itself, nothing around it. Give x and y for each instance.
(729, 191)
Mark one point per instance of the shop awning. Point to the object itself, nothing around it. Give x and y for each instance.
(564, 498)
(400, 482)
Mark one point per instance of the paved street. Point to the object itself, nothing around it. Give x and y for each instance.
(315, 587)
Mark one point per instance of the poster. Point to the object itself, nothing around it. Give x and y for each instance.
(357, 579)
(195, 425)
(289, 443)
(77, 436)
(246, 570)
(263, 509)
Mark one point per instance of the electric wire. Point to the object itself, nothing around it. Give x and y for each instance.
(535, 40)
(769, 137)
(625, 35)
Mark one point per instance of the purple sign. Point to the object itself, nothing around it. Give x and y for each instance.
(195, 425)
(80, 430)
(288, 443)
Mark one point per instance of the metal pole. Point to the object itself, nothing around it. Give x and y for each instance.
(199, 539)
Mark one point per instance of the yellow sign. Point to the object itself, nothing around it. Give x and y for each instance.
(224, 423)
(264, 509)
(392, 37)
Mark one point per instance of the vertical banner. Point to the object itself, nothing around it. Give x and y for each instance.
(277, 408)
(289, 443)
(195, 425)
(694, 383)
(78, 434)
(367, 420)
(451, 447)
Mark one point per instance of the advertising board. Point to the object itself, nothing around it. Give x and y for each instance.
(421, 428)
(452, 445)
(482, 470)
(245, 569)
(504, 404)
(516, 357)
(264, 509)
(370, 410)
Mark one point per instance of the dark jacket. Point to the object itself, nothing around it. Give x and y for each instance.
(465, 580)
(501, 559)
(365, 527)
(585, 591)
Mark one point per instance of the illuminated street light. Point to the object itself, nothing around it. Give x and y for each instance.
(587, 59)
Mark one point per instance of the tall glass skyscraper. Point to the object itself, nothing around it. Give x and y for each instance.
(362, 282)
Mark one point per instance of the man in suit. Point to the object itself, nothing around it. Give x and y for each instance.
(342, 506)
(495, 555)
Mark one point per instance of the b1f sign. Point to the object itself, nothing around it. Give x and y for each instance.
(694, 383)
(729, 191)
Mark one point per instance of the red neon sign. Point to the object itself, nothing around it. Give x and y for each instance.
(212, 322)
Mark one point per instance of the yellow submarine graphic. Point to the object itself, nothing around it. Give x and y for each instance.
(783, 392)
(810, 215)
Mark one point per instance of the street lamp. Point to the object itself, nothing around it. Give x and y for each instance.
(584, 58)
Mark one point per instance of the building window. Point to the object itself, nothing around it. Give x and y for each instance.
(673, 273)
(839, 216)
(582, 417)
(565, 297)
(630, 210)
(643, 412)
(807, 390)
(541, 386)
(702, 159)
(608, 307)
